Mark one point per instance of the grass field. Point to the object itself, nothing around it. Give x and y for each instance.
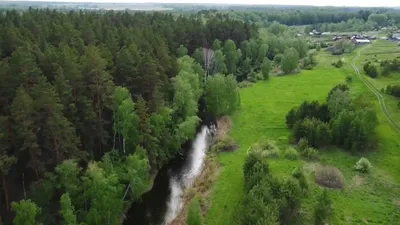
(366, 199)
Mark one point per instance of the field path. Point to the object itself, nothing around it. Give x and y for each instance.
(380, 97)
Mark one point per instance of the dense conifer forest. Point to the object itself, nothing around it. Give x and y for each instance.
(94, 103)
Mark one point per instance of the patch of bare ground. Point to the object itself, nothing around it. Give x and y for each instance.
(223, 142)
(201, 188)
(359, 180)
(224, 125)
(396, 202)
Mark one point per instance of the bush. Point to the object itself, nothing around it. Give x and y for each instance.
(349, 79)
(266, 149)
(245, 84)
(371, 69)
(323, 209)
(265, 145)
(226, 144)
(305, 150)
(337, 64)
(298, 174)
(317, 132)
(291, 154)
(309, 152)
(329, 176)
(307, 110)
(194, 215)
(363, 165)
(302, 144)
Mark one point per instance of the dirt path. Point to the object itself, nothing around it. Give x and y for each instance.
(380, 97)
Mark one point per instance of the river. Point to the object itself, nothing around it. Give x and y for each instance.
(163, 202)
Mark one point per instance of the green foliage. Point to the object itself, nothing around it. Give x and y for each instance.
(393, 90)
(266, 67)
(349, 79)
(290, 60)
(338, 101)
(194, 216)
(221, 95)
(219, 62)
(290, 153)
(103, 193)
(338, 64)
(307, 110)
(298, 174)
(216, 45)
(226, 144)
(341, 47)
(181, 51)
(269, 200)
(305, 150)
(363, 165)
(67, 210)
(371, 69)
(354, 130)
(232, 56)
(25, 212)
(323, 209)
(342, 87)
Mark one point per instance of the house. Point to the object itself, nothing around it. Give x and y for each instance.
(361, 41)
(396, 36)
(325, 33)
(336, 38)
(315, 32)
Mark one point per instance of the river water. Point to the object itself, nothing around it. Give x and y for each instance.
(163, 202)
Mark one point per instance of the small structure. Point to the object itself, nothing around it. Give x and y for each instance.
(361, 41)
(315, 32)
(384, 38)
(336, 38)
(325, 33)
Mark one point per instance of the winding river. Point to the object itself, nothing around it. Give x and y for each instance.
(163, 202)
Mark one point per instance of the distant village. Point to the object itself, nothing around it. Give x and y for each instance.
(357, 38)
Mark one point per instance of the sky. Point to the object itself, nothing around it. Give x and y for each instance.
(361, 3)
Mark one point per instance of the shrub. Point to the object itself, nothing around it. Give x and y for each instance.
(371, 69)
(363, 165)
(245, 84)
(194, 215)
(337, 64)
(309, 152)
(323, 209)
(329, 176)
(298, 174)
(291, 154)
(349, 79)
(307, 110)
(302, 144)
(317, 132)
(265, 145)
(226, 144)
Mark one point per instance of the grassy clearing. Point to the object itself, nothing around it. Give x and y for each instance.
(366, 199)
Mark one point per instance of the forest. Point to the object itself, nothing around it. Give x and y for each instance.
(94, 103)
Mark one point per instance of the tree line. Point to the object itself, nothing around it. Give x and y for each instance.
(272, 200)
(93, 104)
(340, 121)
(325, 17)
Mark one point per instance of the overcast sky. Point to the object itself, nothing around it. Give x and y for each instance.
(280, 2)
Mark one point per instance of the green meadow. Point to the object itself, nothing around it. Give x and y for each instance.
(372, 198)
